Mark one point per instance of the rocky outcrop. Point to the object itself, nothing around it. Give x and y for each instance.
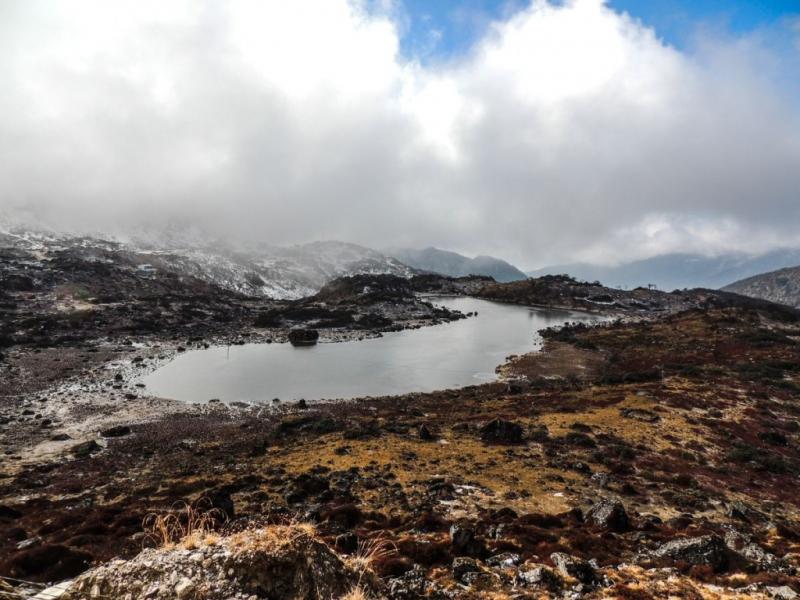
(274, 562)
(704, 550)
(610, 514)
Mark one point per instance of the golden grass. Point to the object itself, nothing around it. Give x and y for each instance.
(370, 551)
(357, 593)
(185, 525)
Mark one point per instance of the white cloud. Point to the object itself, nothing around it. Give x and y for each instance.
(569, 131)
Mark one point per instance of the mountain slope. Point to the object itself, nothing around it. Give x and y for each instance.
(678, 271)
(453, 264)
(268, 271)
(782, 286)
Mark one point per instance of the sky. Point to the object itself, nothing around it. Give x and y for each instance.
(542, 132)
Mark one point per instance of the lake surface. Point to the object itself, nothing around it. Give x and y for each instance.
(450, 355)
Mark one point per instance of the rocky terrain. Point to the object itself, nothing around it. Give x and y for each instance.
(258, 270)
(562, 291)
(650, 457)
(782, 286)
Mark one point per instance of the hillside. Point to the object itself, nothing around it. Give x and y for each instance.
(782, 286)
(677, 271)
(276, 272)
(453, 264)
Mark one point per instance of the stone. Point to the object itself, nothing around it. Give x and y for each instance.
(184, 589)
(463, 565)
(425, 433)
(610, 514)
(572, 566)
(539, 576)
(499, 431)
(704, 550)
(506, 559)
(85, 449)
(303, 337)
(116, 431)
(783, 592)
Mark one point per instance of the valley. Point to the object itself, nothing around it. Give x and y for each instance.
(650, 455)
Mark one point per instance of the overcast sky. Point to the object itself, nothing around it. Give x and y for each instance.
(556, 132)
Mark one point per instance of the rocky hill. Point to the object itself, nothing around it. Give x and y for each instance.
(453, 264)
(254, 270)
(782, 286)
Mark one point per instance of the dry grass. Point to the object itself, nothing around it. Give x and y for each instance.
(185, 525)
(271, 538)
(369, 552)
(357, 593)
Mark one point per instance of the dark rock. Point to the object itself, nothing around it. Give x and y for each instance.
(499, 431)
(409, 586)
(304, 486)
(540, 576)
(6, 512)
(60, 437)
(506, 559)
(116, 431)
(572, 566)
(461, 537)
(579, 439)
(640, 414)
(610, 514)
(742, 512)
(763, 560)
(463, 565)
(85, 449)
(303, 337)
(347, 543)
(776, 438)
(425, 433)
(220, 500)
(705, 550)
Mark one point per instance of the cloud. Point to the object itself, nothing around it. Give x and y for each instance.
(569, 131)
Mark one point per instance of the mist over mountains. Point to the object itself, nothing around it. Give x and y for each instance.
(678, 271)
(456, 265)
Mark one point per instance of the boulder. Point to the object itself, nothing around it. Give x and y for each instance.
(409, 586)
(572, 566)
(503, 560)
(425, 433)
(704, 550)
(539, 576)
(610, 514)
(116, 431)
(499, 431)
(85, 449)
(462, 565)
(273, 562)
(303, 337)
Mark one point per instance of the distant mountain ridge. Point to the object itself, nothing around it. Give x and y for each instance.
(453, 264)
(678, 271)
(781, 286)
(276, 272)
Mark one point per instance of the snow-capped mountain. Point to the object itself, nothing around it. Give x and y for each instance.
(256, 270)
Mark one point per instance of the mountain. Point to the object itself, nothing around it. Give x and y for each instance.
(258, 270)
(678, 271)
(782, 286)
(456, 265)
